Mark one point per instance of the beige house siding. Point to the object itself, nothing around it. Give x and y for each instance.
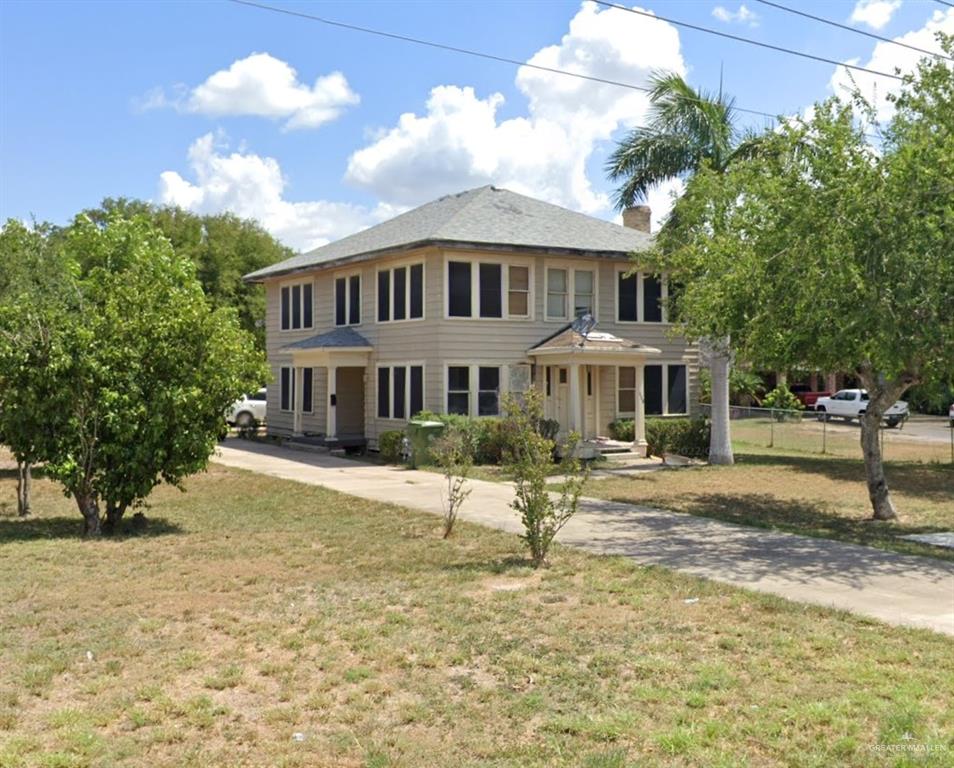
(438, 340)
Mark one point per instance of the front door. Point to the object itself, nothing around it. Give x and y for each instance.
(562, 414)
(349, 393)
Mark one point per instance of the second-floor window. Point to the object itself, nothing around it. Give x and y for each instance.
(570, 289)
(487, 290)
(348, 300)
(297, 306)
(401, 293)
(639, 298)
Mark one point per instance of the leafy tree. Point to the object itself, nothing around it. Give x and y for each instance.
(831, 252)
(223, 248)
(140, 368)
(453, 452)
(34, 279)
(688, 129)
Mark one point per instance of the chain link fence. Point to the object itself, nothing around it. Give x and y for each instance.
(807, 432)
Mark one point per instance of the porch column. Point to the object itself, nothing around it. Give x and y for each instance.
(298, 389)
(639, 438)
(330, 420)
(576, 401)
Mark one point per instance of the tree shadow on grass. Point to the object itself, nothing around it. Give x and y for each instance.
(933, 482)
(497, 567)
(14, 529)
(10, 473)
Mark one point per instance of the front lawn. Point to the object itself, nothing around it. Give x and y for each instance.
(259, 622)
(813, 495)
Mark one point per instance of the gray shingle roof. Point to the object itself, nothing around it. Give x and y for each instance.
(339, 337)
(482, 217)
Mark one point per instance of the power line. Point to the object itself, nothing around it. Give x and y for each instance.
(945, 2)
(748, 40)
(469, 52)
(852, 29)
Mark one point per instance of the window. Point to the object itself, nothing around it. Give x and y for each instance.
(549, 381)
(306, 390)
(639, 298)
(348, 300)
(627, 390)
(583, 293)
(458, 389)
(626, 303)
(518, 293)
(288, 388)
(296, 306)
(665, 390)
(491, 283)
(401, 293)
(400, 391)
(260, 397)
(458, 289)
(487, 290)
(556, 293)
(652, 299)
(488, 391)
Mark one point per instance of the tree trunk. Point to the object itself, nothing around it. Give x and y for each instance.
(720, 442)
(881, 502)
(89, 509)
(24, 481)
(114, 517)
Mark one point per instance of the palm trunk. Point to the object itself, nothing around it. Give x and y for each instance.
(24, 481)
(89, 509)
(720, 442)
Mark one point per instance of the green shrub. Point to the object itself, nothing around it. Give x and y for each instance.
(485, 434)
(784, 400)
(686, 437)
(389, 445)
(623, 430)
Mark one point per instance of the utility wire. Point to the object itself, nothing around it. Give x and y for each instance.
(945, 2)
(857, 31)
(748, 40)
(469, 52)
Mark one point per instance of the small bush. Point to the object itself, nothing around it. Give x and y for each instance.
(390, 444)
(784, 400)
(485, 434)
(623, 430)
(686, 437)
(451, 452)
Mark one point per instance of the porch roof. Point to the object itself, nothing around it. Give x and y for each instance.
(339, 338)
(340, 347)
(596, 346)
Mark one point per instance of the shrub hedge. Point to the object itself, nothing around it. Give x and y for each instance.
(687, 437)
(389, 445)
(486, 435)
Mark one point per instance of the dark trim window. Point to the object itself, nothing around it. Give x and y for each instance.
(678, 399)
(626, 302)
(491, 290)
(297, 309)
(665, 390)
(307, 389)
(458, 389)
(653, 389)
(458, 289)
(488, 391)
(401, 293)
(652, 299)
(400, 391)
(348, 300)
(287, 377)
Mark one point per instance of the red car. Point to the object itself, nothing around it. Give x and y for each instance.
(807, 395)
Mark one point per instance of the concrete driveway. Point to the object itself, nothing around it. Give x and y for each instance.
(898, 589)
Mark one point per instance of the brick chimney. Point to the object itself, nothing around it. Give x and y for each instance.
(638, 217)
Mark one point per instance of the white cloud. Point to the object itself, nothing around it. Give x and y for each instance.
(459, 142)
(263, 86)
(741, 16)
(875, 13)
(253, 186)
(886, 57)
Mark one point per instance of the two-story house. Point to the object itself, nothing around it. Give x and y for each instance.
(449, 306)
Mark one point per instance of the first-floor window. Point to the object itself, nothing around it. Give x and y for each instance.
(306, 389)
(488, 391)
(665, 390)
(458, 389)
(400, 391)
(288, 388)
(460, 386)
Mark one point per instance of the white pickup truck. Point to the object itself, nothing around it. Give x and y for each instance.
(851, 404)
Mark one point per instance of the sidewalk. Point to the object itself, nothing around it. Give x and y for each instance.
(898, 589)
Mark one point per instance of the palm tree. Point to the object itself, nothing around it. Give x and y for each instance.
(687, 128)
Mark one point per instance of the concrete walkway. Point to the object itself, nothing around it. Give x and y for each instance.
(898, 589)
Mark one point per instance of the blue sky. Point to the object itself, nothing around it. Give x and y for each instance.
(104, 99)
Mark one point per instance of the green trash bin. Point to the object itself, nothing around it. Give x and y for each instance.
(419, 435)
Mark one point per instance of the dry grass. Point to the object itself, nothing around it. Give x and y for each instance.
(254, 609)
